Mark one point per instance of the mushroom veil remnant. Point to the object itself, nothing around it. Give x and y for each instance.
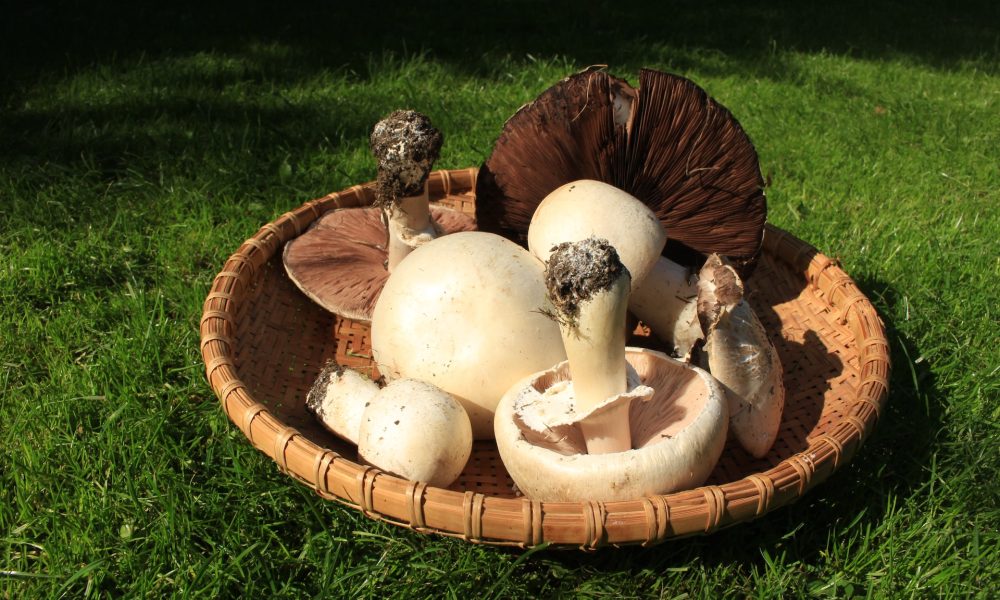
(610, 423)
(343, 260)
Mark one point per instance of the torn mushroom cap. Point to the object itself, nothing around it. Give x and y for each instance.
(585, 208)
(465, 312)
(339, 397)
(667, 143)
(417, 431)
(339, 263)
(740, 355)
(677, 436)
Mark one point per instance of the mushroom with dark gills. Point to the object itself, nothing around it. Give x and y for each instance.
(610, 423)
(343, 260)
(666, 142)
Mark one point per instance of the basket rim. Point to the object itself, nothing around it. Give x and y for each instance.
(522, 522)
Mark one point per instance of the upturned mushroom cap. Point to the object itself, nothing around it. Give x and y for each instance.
(339, 263)
(465, 312)
(677, 437)
(582, 209)
(416, 431)
(667, 143)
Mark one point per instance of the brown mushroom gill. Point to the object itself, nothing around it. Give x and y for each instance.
(339, 263)
(679, 151)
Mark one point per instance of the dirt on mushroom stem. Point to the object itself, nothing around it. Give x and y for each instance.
(314, 398)
(576, 271)
(406, 146)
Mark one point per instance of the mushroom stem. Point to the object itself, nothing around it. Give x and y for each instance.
(666, 300)
(589, 288)
(595, 347)
(409, 224)
(406, 146)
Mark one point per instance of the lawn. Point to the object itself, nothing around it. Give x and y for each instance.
(141, 144)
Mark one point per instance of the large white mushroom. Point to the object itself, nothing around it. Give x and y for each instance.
(466, 313)
(609, 423)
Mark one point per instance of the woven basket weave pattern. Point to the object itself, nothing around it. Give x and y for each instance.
(263, 343)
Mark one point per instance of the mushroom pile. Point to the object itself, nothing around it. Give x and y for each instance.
(599, 202)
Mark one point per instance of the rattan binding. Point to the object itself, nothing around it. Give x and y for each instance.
(263, 343)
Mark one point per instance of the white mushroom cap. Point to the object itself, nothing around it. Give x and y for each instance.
(466, 313)
(586, 208)
(416, 431)
(677, 437)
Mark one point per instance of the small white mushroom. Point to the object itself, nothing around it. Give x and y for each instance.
(338, 398)
(740, 355)
(465, 312)
(416, 431)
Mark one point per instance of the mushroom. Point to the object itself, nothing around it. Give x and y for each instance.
(662, 290)
(338, 399)
(416, 431)
(343, 260)
(666, 143)
(465, 313)
(574, 432)
(585, 208)
(740, 355)
(406, 146)
(588, 286)
(666, 300)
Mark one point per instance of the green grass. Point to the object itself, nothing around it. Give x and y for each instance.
(142, 144)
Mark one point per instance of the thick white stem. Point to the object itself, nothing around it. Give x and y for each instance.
(666, 300)
(409, 224)
(595, 347)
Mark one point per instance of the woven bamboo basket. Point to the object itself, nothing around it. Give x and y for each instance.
(263, 343)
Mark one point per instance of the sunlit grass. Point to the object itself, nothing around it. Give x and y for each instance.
(127, 180)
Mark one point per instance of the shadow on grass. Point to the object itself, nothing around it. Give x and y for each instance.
(176, 117)
(469, 36)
